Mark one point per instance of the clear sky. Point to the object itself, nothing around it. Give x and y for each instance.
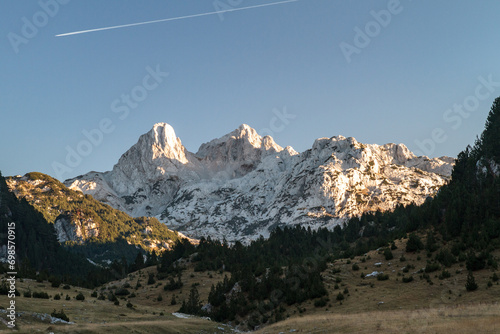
(422, 73)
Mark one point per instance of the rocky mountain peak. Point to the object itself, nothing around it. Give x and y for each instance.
(244, 143)
(161, 142)
(242, 184)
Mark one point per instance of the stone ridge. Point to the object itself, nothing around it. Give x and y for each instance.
(242, 185)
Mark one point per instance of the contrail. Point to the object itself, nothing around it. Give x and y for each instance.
(174, 18)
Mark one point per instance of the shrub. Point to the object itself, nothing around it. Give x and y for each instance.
(494, 278)
(445, 274)
(382, 277)
(66, 287)
(407, 279)
(388, 254)
(431, 267)
(474, 262)
(446, 258)
(160, 298)
(27, 294)
(57, 296)
(321, 302)
(151, 279)
(173, 301)
(122, 292)
(55, 281)
(340, 296)
(129, 305)
(355, 267)
(68, 297)
(94, 294)
(41, 295)
(173, 285)
(61, 315)
(112, 297)
(80, 296)
(414, 243)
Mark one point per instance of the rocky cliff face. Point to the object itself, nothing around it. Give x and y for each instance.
(242, 185)
(71, 228)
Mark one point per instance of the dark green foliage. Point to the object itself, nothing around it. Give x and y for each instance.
(41, 295)
(432, 267)
(474, 262)
(382, 277)
(322, 302)
(408, 267)
(446, 258)
(27, 294)
(55, 281)
(80, 296)
(151, 279)
(159, 298)
(388, 254)
(414, 243)
(173, 285)
(445, 274)
(193, 305)
(407, 279)
(471, 284)
(173, 301)
(122, 292)
(340, 296)
(61, 315)
(431, 243)
(355, 267)
(93, 294)
(494, 278)
(57, 296)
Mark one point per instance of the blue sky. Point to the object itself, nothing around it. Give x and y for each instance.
(422, 73)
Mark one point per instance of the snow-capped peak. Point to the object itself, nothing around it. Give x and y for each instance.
(244, 143)
(242, 184)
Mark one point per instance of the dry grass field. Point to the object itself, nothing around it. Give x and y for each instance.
(430, 305)
(473, 318)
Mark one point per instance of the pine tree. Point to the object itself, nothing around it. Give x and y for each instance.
(471, 284)
(193, 305)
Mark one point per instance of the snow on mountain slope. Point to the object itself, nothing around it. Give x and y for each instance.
(242, 185)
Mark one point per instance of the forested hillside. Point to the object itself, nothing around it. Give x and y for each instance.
(37, 248)
(89, 226)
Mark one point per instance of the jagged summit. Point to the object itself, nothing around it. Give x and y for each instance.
(244, 143)
(242, 184)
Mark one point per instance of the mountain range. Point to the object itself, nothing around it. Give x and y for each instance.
(242, 185)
